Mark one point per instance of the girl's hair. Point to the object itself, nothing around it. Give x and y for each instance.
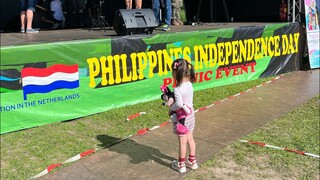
(182, 68)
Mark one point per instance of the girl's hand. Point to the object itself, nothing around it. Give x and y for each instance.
(174, 117)
(170, 102)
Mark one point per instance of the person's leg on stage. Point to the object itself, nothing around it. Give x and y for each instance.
(168, 14)
(156, 10)
(138, 4)
(26, 15)
(128, 4)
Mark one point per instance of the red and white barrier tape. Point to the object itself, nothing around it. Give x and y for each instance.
(280, 148)
(145, 130)
(135, 115)
(74, 158)
(233, 96)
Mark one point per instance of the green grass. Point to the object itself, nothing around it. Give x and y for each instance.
(297, 130)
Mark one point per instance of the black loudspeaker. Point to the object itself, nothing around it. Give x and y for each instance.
(134, 21)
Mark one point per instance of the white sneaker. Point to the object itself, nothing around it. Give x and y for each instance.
(31, 31)
(179, 166)
(192, 165)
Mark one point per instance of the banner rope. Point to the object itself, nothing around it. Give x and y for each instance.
(280, 148)
(135, 115)
(72, 159)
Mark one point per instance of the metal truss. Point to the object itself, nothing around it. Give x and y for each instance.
(295, 10)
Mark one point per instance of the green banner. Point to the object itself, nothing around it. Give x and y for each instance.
(46, 83)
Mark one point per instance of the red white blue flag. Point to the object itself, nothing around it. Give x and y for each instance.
(44, 80)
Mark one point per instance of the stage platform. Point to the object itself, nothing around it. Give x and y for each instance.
(51, 36)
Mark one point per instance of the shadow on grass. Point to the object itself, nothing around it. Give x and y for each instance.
(137, 152)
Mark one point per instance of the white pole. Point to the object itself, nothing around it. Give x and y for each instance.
(294, 11)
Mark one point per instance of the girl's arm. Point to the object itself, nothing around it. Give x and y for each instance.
(178, 103)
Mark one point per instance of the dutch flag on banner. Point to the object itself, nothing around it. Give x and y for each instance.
(44, 80)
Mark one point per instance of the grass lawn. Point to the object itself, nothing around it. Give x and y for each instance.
(28, 152)
(297, 130)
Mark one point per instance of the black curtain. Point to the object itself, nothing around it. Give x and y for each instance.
(240, 10)
(9, 15)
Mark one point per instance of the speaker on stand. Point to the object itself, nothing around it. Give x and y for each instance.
(100, 22)
(134, 21)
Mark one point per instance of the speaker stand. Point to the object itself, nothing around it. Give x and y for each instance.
(100, 23)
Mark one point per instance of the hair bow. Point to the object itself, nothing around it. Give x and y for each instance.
(176, 65)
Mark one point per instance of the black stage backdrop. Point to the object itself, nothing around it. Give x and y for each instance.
(240, 10)
(9, 14)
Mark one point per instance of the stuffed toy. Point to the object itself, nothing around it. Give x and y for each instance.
(181, 114)
(167, 96)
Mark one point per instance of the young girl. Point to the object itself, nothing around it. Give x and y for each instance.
(183, 73)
